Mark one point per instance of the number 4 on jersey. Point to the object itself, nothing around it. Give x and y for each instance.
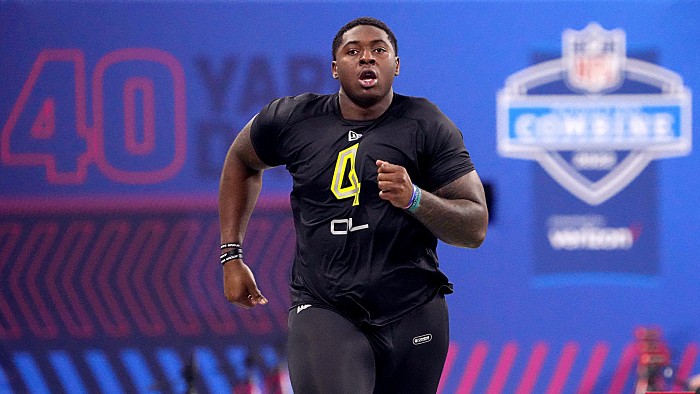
(346, 158)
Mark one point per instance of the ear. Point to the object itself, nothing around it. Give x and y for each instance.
(334, 69)
(398, 64)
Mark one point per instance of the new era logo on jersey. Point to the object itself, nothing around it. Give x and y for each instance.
(353, 136)
(302, 307)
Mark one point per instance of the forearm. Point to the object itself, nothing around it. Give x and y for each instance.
(456, 213)
(239, 189)
(458, 222)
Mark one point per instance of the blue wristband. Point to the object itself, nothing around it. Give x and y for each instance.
(415, 199)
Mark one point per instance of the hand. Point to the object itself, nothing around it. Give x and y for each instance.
(394, 184)
(239, 285)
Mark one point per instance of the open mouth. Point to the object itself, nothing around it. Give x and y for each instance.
(368, 78)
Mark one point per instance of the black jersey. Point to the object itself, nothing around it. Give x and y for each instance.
(357, 253)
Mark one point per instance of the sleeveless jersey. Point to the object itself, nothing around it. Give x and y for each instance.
(356, 253)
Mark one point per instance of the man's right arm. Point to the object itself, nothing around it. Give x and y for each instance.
(239, 188)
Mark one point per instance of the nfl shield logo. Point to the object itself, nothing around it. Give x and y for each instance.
(594, 58)
(595, 140)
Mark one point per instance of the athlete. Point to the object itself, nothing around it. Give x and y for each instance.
(378, 178)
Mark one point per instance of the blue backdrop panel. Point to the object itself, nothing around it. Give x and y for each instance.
(116, 117)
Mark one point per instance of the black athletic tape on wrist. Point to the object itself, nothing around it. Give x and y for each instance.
(232, 251)
(230, 245)
(231, 255)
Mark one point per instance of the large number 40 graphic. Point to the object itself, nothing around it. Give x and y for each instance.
(138, 132)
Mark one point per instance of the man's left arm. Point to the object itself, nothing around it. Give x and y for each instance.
(455, 213)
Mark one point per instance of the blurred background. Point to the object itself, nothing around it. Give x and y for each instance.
(116, 116)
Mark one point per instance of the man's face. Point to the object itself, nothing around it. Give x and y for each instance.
(365, 65)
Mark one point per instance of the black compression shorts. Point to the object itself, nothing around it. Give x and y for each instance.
(327, 353)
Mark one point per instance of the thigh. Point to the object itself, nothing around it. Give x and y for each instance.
(328, 354)
(420, 343)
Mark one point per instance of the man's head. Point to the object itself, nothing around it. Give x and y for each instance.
(365, 62)
(368, 21)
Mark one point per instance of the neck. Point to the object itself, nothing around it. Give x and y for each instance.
(351, 110)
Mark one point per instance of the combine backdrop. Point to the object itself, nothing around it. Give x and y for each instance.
(116, 117)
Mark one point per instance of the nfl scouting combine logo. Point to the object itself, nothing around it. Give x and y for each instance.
(595, 116)
(594, 135)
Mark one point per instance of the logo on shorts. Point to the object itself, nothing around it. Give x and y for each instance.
(302, 307)
(594, 118)
(422, 339)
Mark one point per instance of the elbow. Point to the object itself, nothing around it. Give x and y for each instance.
(471, 240)
(475, 233)
(470, 243)
(477, 239)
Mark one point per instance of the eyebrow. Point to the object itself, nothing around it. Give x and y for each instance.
(382, 41)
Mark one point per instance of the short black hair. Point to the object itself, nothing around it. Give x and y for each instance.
(365, 20)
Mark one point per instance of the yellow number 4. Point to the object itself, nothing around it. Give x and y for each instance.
(346, 157)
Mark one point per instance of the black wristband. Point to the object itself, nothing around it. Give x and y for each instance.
(236, 252)
(231, 255)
